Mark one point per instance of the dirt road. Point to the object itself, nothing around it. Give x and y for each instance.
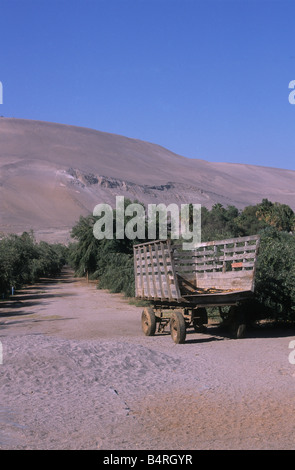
(77, 373)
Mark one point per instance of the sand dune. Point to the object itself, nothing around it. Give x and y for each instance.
(50, 174)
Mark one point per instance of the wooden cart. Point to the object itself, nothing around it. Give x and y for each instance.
(180, 285)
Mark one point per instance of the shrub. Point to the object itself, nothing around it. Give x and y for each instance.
(275, 277)
(23, 261)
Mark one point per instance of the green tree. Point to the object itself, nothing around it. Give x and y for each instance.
(277, 215)
(83, 254)
(275, 278)
(248, 222)
(23, 261)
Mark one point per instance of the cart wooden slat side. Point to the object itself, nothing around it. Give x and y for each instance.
(155, 275)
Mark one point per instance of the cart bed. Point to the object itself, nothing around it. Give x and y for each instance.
(215, 273)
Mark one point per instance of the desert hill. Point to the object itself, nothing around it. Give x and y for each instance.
(50, 174)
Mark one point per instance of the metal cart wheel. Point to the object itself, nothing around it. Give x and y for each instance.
(148, 321)
(177, 327)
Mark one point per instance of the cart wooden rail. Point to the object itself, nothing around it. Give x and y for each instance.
(217, 273)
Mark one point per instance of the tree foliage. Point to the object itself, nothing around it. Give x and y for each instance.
(23, 261)
(111, 261)
(221, 222)
(275, 279)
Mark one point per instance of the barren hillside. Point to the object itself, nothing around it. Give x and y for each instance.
(50, 174)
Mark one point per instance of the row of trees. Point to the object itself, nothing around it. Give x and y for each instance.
(111, 261)
(23, 261)
(221, 222)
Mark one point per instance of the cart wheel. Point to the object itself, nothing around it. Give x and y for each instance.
(237, 322)
(177, 327)
(241, 331)
(148, 321)
(200, 318)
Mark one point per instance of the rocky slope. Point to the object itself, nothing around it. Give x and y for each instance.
(50, 174)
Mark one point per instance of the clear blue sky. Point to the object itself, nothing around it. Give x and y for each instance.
(204, 78)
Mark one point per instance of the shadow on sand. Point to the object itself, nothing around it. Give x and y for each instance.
(218, 332)
(36, 294)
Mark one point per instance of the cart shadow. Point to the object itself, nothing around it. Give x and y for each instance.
(208, 336)
(211, 334)
(221, 333)
(203, 340)
(270, 332)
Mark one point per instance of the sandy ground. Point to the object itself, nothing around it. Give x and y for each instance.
(78, 373)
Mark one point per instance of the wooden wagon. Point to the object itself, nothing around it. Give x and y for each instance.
(180, 285)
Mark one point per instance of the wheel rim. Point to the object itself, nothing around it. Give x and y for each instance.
(177, 328)
(148, 322)
(174, 329)
(145, 322)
